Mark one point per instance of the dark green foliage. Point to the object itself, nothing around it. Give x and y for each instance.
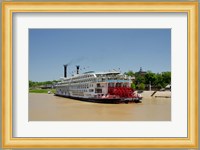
(141, 86)
(150, 78)
(35, 84)
(166, 77)
(158, 81)
(139, 79)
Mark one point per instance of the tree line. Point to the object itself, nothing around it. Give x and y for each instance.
(35, 84)
(144, 80)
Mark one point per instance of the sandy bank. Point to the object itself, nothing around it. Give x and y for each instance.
(164, 94)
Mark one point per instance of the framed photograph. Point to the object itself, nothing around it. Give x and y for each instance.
(100, 74)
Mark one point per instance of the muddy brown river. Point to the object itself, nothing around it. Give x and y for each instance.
(47, 107)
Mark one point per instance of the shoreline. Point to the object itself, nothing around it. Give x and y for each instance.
(158, 94)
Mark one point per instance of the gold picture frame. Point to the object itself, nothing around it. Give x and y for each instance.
(8, 8)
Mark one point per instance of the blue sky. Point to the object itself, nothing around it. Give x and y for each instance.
(97, 50)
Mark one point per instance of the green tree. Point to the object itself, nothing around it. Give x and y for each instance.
(141, 86)
(130, 73)
(159, 81)
(166, 77)
(48, 82)
(162, 79)
(133, 86)
(34, 84)
(150, 78)
(31, 83)
(140, 79)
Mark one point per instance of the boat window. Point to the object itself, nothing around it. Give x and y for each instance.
(118, 84)
(91, 90)
(98, 90)
(98, 85)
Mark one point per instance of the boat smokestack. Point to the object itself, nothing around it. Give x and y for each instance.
(65, 71)
(77, 69)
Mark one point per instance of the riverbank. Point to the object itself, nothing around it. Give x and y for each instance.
(42, 91)
(158, 94)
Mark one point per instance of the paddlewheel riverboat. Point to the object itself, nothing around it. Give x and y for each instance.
(104, 87)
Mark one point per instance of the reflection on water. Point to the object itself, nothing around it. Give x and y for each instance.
(47, 107)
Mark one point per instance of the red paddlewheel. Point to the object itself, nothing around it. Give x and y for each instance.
(124, 92)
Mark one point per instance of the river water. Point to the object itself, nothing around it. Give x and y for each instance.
(47, 107)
